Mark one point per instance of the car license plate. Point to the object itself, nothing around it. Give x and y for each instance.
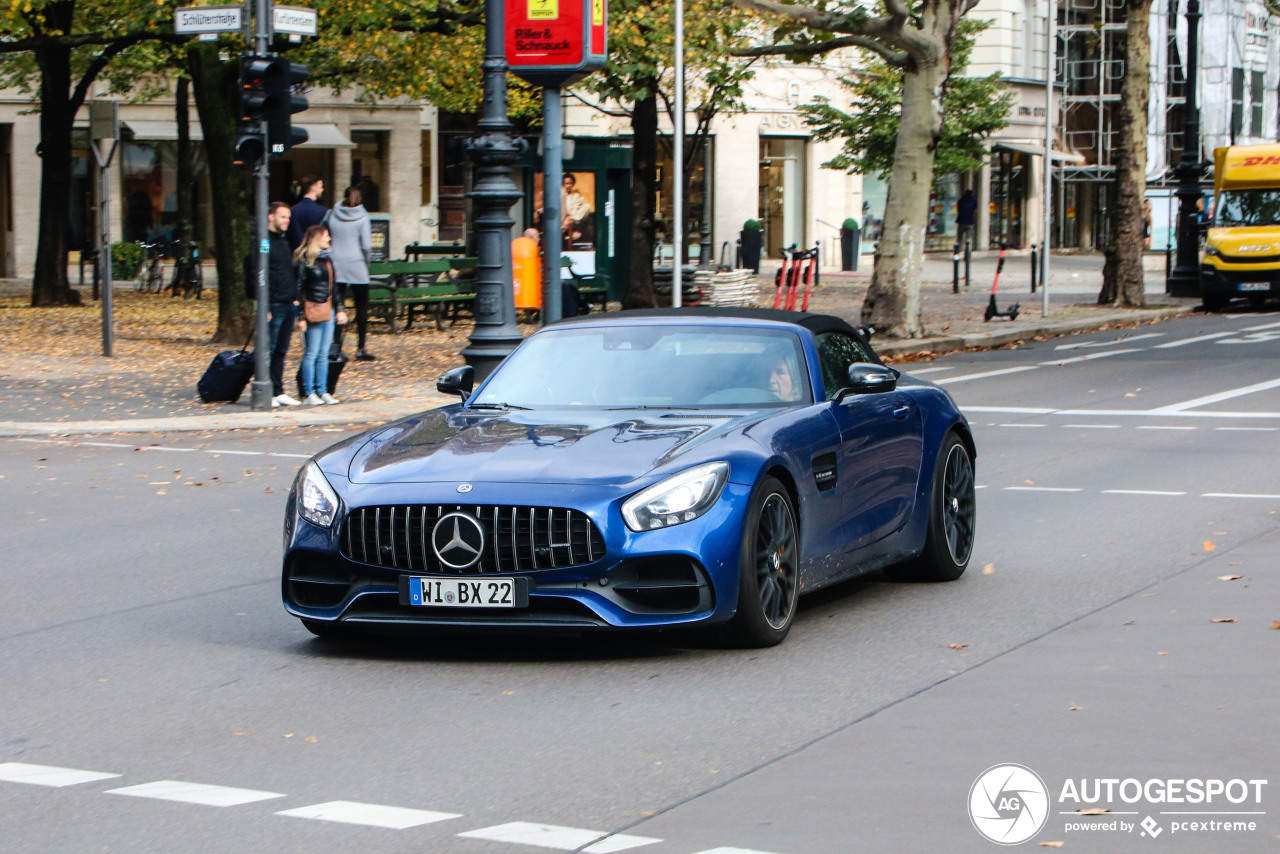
(468, 592)
(1255, 286)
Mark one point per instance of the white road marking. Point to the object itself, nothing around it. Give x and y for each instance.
(561, 838)
(195, 793)
(48, 775)
(1093, 426)
(1092, 356)
(295, 456)
(1237, 495)
(1022, 425)
(1042, 489)
(919, 371)
(733, 851)
(1139, 492)
(164, 448)
(1195, 340)
(984, 374)
(371, 815)
(242, 453)
(1250, 429)
(1164, 427)
(1111, 343)
(214, 451)
(1012, 410)
(1215, 398)
(1118, 413)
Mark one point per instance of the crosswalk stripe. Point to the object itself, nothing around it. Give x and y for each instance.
(195, 793)
(561, 838)
(48, 775)
(372, 815)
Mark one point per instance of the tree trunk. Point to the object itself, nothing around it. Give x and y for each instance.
(1122, 278)
(49, 284)
(644, 187)
(185, 228)
(892, 304)
(214, 84)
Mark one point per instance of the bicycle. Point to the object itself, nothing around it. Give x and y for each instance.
(151, 273)
(187, 275)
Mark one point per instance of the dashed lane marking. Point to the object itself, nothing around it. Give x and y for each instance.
(1165, 427)
(1139, 492)
(1092, 426)
(1256, 495)
(195, 793)
(1250, 429)
(370, 815)
(1129, 340)
(733, 851)
(1215, 398)
(213, 451)
(1238, 495)
(1022, 425)
(1091, 357)
(48, 775)
(560, 838)
(1042, 489)
(967, 377)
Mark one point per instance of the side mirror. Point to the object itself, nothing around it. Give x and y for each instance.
(866, 378)
(458, 381)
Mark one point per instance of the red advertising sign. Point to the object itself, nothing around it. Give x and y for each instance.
(555, 42)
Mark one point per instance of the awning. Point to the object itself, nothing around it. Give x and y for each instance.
(1038, 151)
(160, 130)
(324, 136)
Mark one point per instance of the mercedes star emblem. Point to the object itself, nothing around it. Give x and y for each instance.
(458, 540)
(464, 487)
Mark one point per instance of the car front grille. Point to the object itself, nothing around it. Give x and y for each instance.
(516, 539)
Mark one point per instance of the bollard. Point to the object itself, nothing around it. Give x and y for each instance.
(1168, 260)
(1033, 268)
(955, 268)
(967, 246)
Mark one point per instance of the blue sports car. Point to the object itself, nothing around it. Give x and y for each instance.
(639, 469)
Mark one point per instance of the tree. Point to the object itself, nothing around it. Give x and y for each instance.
(1122, 278)
(917, 37)
(638, 78)
(973, 108)
(58, 49)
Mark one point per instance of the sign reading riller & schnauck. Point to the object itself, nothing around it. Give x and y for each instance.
(555, 42)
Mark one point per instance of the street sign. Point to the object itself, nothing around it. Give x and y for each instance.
(294, 19)
(555, 42)
(207, 19)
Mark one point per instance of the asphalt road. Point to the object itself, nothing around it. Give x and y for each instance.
(155, 697)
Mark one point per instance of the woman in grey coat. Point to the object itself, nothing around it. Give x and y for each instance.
(352, 244)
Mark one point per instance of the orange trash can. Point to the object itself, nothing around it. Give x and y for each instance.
(526, 267)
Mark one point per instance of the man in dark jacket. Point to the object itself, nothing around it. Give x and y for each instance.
(282, 295)
(308, 211)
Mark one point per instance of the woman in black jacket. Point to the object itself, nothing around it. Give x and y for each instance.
(321, 307)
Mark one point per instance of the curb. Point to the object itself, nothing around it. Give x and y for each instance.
(377, 412)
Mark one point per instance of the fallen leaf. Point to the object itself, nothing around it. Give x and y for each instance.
(271, 490)
(1223, 620)
(287, 735)
(1275, 624)
(1057, 844)
(507, 693)
(1077, 708)
(311, 739)
(1030, 482)
(989, 569)
(1094, 811)
(1129, 394)
(1230, 577)
(238, 734)
(1209, 546)
(958, 645)
(1162, 653)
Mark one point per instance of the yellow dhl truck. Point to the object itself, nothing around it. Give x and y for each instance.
(1242, 247)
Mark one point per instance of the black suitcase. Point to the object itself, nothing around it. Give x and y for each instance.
(226, 377)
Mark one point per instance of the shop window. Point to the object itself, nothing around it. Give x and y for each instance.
(149, 191)
(370, 167)
(1257, 91)
(782, 196)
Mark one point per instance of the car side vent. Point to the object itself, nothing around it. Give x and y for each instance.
(824, 472)
(515, 539)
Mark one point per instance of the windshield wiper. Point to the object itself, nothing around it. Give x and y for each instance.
(501, 407)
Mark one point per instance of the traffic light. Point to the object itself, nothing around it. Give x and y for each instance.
(257, 100)
(281, 134)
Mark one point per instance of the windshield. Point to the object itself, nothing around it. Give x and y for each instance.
(1247, 208)
(678, 367)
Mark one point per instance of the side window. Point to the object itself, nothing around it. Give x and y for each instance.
(836, 352)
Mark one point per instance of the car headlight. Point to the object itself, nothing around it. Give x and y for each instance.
(1211, 250)
(680, 498)
(317, 502)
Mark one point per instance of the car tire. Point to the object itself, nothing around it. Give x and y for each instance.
(769, 569)
(1214, 302)
(953, 506)
(332, 630)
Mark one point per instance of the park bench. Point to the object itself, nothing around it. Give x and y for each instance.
(400, 290)
(591, 288)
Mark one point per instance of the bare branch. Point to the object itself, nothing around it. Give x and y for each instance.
(807, 15)
(896, 58)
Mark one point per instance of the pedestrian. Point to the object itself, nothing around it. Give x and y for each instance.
(282, 295)
(1146, 224)
(966, 209)
(321, 299)
(308, 211)
(352, 247)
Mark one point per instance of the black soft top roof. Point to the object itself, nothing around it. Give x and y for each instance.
(815, 323)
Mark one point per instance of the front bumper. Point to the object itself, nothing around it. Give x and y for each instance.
(1230, 281)
(674, 576)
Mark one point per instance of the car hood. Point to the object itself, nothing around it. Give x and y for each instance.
(585, 447)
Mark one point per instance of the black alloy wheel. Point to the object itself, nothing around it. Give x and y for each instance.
(769, 577)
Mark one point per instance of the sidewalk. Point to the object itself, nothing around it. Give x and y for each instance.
(54, 379)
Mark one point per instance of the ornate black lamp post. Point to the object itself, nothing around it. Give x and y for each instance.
(1184, 280)
(494, 152)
